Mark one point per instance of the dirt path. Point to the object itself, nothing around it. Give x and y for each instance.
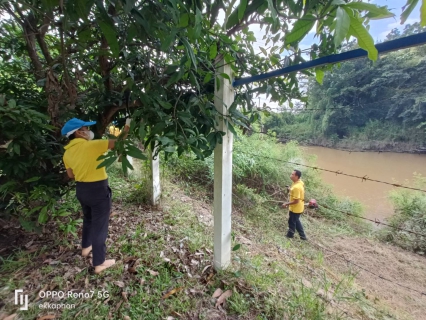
(390, 262)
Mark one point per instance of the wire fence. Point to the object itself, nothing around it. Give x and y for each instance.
(368, 271)
(338, 172)
(376, 221)
(311, 271)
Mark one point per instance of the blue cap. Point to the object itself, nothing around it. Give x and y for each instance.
(73, 125)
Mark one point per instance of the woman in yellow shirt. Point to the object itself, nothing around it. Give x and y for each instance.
(92, 189)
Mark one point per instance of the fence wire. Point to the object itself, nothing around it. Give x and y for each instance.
(366, 270)
(338, 172)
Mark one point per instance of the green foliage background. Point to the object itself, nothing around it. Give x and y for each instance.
(364, 101)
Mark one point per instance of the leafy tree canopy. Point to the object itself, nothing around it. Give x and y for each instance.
(156, 60)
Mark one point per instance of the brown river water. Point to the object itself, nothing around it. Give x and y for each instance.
(389, 167)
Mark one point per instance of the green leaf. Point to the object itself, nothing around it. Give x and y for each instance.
(174, 78)
(236, 247)
(83, 8)
(337, 2)
(207, 78)
(129, 6)
(64, 214)
(319, 75)
(273, 10)
(410, 5)
(32, 179)
(50, 4)
(158, 128)
(242, 8)
(17, 148)
(168, 41)
(300, 29)
(107, 162)
(142, 132)
(165, 104)
(213, 51)
(194, 81)
(231, 128)
(423, 14)
(198, 24)
(111, 36)
(126, 164)
(263, 51)
(183, 21)
(170, 149)
(135, 153)
(190, 52)
(342, 26)
(226, 76)
(365, 40)
(376, 11)
(42, 218)
(12, 103)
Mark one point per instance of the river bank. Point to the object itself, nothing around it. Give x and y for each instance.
(352, 145)
(391, 167)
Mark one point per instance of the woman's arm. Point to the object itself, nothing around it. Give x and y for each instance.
(70, 173)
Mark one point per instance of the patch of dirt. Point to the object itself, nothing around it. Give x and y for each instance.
(389, 262)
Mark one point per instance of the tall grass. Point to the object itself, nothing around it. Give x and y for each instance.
(410, 214)
(261, 173)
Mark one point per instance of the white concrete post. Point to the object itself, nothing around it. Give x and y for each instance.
(155, 177)
(223, 173)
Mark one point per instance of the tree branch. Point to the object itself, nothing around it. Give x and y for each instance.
(240, 27)
(104, 65)
(109, 112)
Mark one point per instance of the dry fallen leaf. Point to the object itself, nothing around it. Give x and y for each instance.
(29, 244)
(223, 297)
(173, 291)
(11, 317)
(193, 291)
(119, 284)
(217, 293)
(124, 295)
(205, 268)
(133, 266)
(128, 259)
(209, 277)
(118, 306)
(126, 318)
(153, 273)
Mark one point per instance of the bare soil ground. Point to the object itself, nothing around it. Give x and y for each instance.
(386, 261)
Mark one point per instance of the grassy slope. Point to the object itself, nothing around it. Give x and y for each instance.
(166, 248)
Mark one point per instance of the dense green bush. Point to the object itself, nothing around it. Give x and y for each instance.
(31, 171)
(410, 214)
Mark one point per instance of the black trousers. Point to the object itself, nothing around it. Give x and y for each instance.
(95, 199)
(295, 224)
